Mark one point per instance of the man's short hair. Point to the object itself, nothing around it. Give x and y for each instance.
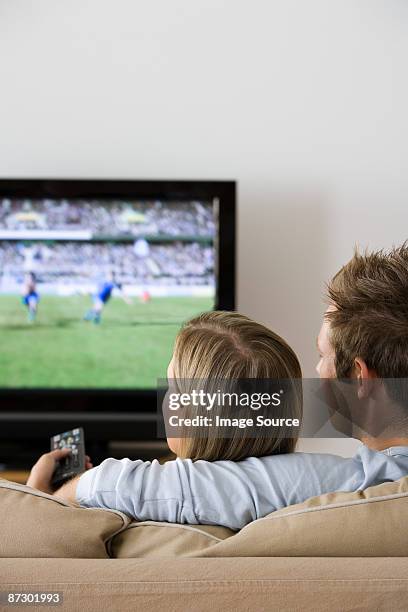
(370, 319)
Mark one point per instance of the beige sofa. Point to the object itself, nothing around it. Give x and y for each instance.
(342, 551)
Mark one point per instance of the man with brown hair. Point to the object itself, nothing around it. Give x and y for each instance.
(364, 335)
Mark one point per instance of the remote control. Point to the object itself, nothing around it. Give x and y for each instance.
(74, 463)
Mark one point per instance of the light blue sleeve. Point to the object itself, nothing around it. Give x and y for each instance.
(222, 493)
(230, 493)
(178, 491)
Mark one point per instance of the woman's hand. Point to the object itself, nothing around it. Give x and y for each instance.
(42, 472)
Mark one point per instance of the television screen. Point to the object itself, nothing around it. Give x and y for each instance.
(93, 291)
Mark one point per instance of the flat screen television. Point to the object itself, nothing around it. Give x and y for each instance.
(96, 278)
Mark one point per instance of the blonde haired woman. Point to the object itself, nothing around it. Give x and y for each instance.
(227, 346)
(228, 481)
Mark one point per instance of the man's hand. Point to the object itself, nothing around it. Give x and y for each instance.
(42, 472)
(68, 490)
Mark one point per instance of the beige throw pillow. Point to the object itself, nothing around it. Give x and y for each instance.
(34, 524)
(154, 539)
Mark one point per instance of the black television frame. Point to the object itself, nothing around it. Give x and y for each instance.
(28, 414)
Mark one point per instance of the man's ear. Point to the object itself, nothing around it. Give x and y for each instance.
(364, 377)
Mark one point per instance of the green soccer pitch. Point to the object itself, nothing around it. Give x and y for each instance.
(130, 348)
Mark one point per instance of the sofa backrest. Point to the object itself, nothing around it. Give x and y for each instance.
(366, 523)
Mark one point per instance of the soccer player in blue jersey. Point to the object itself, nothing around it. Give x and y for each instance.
(30, 297)
(102, 297)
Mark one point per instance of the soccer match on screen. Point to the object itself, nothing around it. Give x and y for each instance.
(93, 292)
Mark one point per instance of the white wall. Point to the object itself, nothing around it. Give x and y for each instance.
(304, 103)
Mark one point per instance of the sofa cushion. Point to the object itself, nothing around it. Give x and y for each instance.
(34, 524)
(368, 523)
(154, 539)
(360, 524)
(211, 585)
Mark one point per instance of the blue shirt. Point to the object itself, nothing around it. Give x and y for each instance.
(231, 493)
(105, 291)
